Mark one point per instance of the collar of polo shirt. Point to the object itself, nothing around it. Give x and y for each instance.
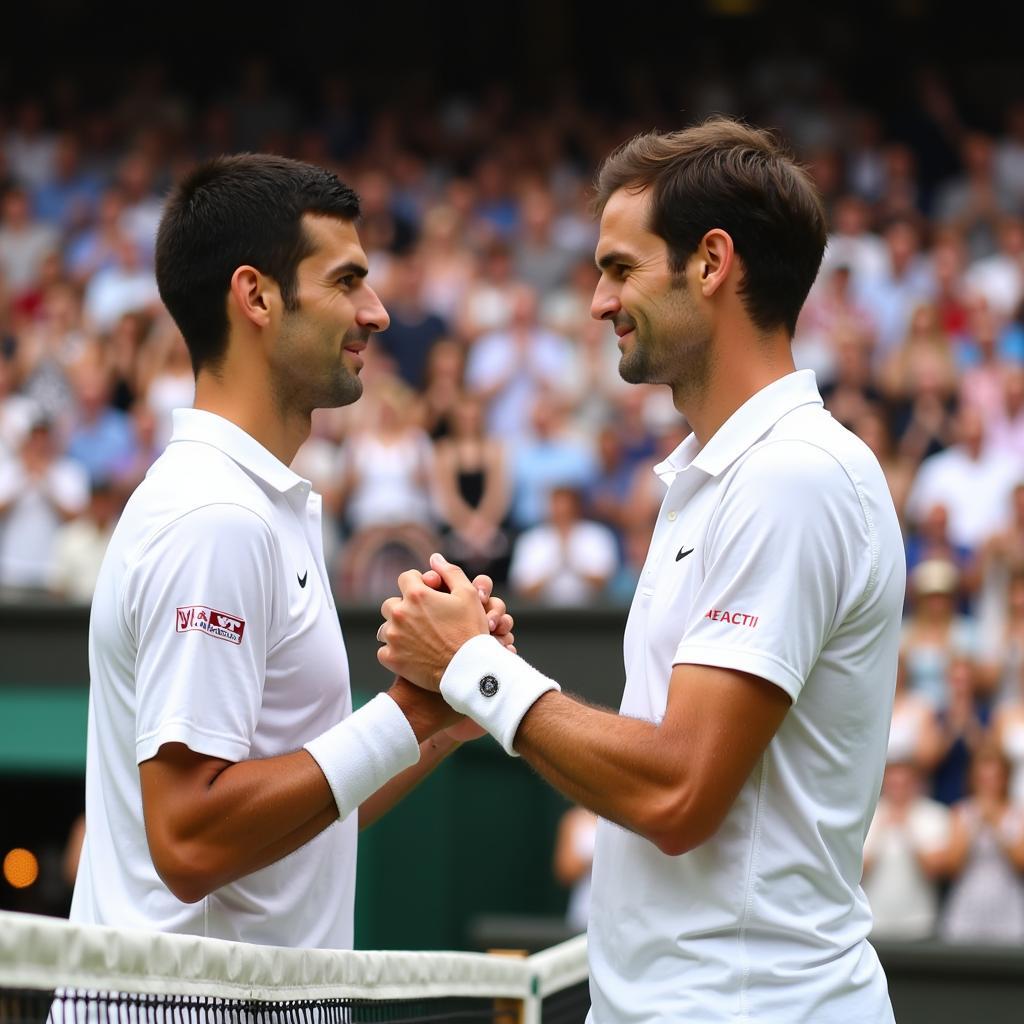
(204, 427)
(753, 419)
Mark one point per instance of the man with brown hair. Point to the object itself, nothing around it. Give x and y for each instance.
(738, 781)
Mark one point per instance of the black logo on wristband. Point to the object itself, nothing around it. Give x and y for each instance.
(488, 686)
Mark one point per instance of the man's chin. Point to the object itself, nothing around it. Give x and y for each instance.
(633, 370)
(348, 390)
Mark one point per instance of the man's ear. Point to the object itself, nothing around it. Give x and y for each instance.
(252, 295)
(717, 258)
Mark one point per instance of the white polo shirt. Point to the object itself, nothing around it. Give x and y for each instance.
(213, 625)
(777, 552)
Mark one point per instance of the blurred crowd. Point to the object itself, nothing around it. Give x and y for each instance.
(494, 425)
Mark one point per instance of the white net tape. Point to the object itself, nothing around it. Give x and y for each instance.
(43, 953)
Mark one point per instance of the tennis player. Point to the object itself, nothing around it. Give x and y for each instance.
(226, 772)
(737, 783)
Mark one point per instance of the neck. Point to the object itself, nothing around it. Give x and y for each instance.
(255, 411)
(742, 362)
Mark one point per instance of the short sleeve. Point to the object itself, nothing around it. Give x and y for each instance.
(778, 565)
(199, 603)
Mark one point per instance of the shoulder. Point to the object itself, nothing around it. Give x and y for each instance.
(199, 497)
(795, 477)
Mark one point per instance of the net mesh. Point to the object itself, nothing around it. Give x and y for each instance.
(53, 972)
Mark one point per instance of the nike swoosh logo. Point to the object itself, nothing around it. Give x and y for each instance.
(302, 579)
(683, 554)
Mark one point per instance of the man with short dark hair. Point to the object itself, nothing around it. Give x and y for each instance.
(226, 771)
(737, 784)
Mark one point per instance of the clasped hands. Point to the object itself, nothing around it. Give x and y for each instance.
(439, 610)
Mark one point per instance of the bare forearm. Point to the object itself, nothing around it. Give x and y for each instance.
(238, 819)
(614, 765)
(432, 752)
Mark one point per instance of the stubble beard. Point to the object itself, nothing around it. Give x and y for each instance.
(302, 388)
(681, 357)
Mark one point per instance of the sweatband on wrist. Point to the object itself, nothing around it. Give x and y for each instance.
(493, 686)
(361, 753)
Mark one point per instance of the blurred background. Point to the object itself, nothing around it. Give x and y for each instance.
(494, 425)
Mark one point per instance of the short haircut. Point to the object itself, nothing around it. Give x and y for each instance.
(232, 211)
(728, 175)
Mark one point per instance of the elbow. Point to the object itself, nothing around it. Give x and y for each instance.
(184, 871)
(677, 823)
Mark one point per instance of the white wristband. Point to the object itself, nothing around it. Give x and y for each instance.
(493, 686)
(361, 753)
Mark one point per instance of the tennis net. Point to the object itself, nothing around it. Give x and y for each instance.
(55, 972)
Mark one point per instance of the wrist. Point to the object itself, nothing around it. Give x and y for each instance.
(494, 687)
(441, 744)
(425, 712)
(361, 753)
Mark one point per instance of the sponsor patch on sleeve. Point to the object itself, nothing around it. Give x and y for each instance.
(733, 618)
(211, 622)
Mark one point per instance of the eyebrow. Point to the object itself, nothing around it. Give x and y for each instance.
(615, 256)
(359, 269)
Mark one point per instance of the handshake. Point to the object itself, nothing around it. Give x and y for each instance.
(450, 636)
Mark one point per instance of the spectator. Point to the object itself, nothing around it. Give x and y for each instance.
(985, 857)
(931, 542)
(386, 471)
(473, 493)
(566, 560)
(971, 480)
(951, 297)
(24, 242)
(79, 545)
(143, 205)
(1006, 422)
(39, 490)
(975, 202)
(607, 495)
(102, 438)
(16, 411)
(853, 245)
(165, 375)
(126, 287)
(933, 633)
(413, 329)
(872, 428)
(905, 284)
(551, 455)
(442, 387)
(999, 278)
(1010, 153)
(488, 302)
(540, 262)
(1008, 720)
(905, 856)
(68, 201)
(573, 860)
(831, 317)
(926, 353)
(448, 268)
(924, 424)
(963, 727)
(509, 369)
(95, 248)
(31, 148)
(915, 737)
(852, 390)
(981, 381)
